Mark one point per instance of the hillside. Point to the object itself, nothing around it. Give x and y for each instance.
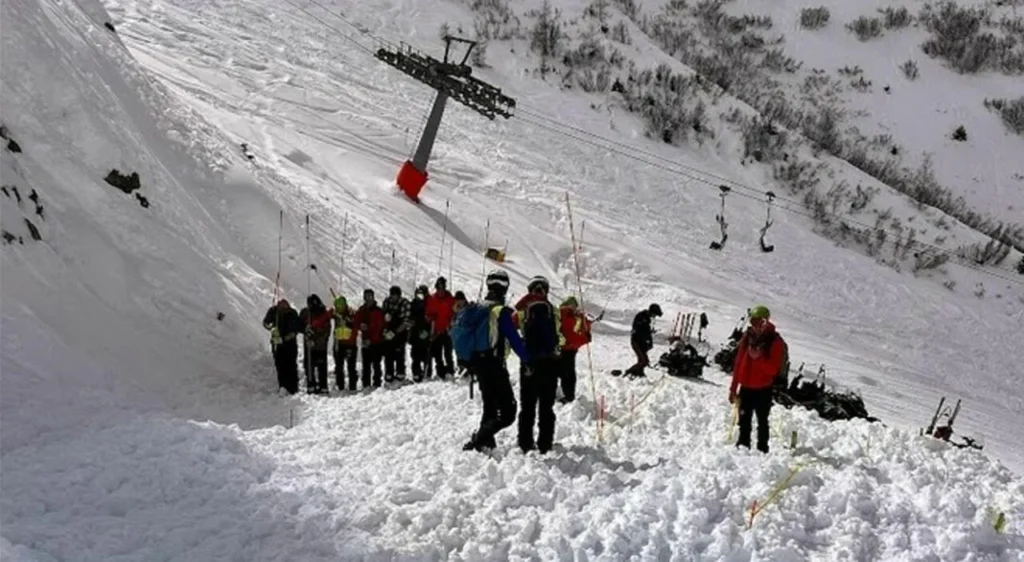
(140, 424)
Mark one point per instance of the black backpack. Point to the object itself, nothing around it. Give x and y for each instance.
(540, 330)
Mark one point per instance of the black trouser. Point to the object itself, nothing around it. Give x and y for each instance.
(567, 374)
(372, 355)
(286, 362)
(640, 349)
(394, 357)
(441, 350)
(419, 354)
(498, 398)
(345, 362)
(316, 370)
(755, 401)
(537, 395)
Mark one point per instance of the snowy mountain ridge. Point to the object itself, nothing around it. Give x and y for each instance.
(140, 424)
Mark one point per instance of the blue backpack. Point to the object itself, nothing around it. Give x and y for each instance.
(471, 330)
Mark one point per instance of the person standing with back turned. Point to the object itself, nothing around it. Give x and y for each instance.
(489, 366)
(538, 380)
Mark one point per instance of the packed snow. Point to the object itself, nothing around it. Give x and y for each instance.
(136, 423)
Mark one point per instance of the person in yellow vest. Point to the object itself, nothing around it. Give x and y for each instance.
(344, 344)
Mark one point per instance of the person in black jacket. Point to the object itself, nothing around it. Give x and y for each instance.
(396, 333)
(642, 339)
(538, 381)
(419, 334)
(283, 322)
(316, 321)
(499, 400)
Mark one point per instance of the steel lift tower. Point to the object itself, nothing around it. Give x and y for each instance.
(451, 80)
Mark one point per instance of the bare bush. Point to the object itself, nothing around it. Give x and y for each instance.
(762, 141)
(814, 18)
(665, 101)
(960, 134)
(547, 38)
(861, 84)
(909, 69)
(598, 9)
(992, 252)
(776, 60)
(895, 18)
(1010, 111)
(957, 38)
(495, 20)
(1020, 266)
(620, 33)
(629, 7)
(865, 28)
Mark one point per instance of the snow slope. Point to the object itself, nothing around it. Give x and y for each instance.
(919, 114)
(138, 427)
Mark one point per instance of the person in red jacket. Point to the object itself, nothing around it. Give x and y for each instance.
(440, 310)
(369, 323)
(575, 328)
(759, 357)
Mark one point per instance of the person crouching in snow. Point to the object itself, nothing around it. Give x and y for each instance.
(759, 357)
(575, 328)
(642, 339)
(369, 322)
(489, 366)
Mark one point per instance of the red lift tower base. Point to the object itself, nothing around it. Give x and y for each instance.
(411, 180)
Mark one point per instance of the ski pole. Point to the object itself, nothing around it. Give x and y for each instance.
(391, 273)
(309, 284)
(444, 234)
(305, 339)
(277, 278)
(344, 247)
(483, 262)
(583, 309)
(451, 262)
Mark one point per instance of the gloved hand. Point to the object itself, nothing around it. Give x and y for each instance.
(309, 331)
(363, 327)
(387, 317)
(527, 370)
(732, 396)
(389, 335)
(424, 334)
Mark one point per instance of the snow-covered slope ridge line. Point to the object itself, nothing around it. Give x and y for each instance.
(113, 355)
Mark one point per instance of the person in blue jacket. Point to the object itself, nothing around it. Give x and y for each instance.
(490, 369)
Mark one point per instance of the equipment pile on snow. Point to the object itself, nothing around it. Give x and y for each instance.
(813, 395)
(682, 360)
